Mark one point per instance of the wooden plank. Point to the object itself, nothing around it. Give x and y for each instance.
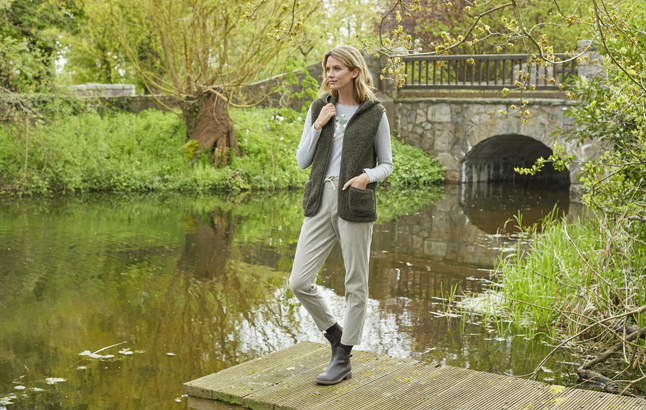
(422, 386)
(197, 403)
(544, 398)
(506, 394)
(458, 395)
(235, 391)
(302, 392)
(592, 400)
(272, 398)
(378, 383)
(205, 386)
(285, 380)
(380, 389)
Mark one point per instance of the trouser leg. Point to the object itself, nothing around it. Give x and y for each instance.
(314, 245)
(355, 239)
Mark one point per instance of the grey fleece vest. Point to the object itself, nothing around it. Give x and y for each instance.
(357, 153)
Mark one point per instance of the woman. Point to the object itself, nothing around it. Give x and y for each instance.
(346, 132)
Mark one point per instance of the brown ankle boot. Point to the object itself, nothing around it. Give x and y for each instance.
(338, 370)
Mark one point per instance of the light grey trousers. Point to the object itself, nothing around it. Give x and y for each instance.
(318, 235)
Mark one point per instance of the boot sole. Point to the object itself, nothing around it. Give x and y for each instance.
(329, 382)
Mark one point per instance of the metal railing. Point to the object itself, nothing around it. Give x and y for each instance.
(483, 72)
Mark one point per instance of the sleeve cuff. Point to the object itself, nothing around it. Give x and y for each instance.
(368, 172)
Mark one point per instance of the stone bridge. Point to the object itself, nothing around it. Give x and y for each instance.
(476, 143)
(453, 107)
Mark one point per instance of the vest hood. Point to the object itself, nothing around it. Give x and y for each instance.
(365, 105)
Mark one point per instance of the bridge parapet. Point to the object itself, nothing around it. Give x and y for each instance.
(486, 72)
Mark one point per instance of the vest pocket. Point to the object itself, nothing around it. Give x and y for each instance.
(362, 202)
(306, 193)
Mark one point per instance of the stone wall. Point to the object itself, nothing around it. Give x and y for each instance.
(122, 96)
(138, 103)
(104, 90)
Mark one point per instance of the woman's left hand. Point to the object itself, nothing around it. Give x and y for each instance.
(360, 182)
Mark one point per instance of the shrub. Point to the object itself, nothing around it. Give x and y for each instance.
(125, 152)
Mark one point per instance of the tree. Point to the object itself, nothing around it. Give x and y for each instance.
(28, 41)
(616, 28)
(93, 54)
(515, 26)
(210, 49)
(434, 18)
(602, 309)
(335, 24)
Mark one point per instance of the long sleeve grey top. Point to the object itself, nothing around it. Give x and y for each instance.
(309, 140)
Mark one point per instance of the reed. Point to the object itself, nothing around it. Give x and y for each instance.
(583, 283)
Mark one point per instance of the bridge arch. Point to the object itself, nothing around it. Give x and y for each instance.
(494, 160)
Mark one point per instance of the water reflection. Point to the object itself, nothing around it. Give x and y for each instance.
(194, 285)
(493, 207)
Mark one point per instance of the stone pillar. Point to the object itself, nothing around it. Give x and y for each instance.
(389, 104)
(588, 70)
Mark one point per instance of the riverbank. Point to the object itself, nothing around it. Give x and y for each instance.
(582, 284)
(125, 152)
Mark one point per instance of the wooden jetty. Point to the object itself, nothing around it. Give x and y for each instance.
(286, 380)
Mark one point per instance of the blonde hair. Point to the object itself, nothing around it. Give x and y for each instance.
(351, 57)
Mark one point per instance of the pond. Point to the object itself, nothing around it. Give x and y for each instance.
(113, 301)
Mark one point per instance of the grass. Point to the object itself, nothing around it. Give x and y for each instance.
(575, 271)
(124, 152)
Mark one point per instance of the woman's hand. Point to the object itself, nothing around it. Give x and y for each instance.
(326, 113)
(360, 182)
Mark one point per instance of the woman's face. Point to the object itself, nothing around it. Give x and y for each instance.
(338, 74)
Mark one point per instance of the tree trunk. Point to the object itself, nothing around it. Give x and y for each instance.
(208, 122)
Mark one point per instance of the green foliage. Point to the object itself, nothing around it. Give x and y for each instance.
(612, 115)
(414, 166)
(21, 67)
(559, 160)
(120, 152)
(94, 54)
(310, 86)
(268, 139)
(615, 181)
(436, 21)
(189, 149)
(126, 152)
(29, 41)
